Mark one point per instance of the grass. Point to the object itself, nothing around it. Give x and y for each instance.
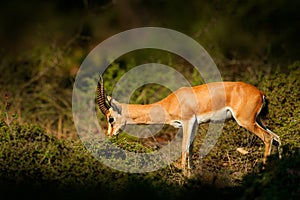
(34, 163)
(41, 155)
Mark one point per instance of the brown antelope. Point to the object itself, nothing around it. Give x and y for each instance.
(189, 106)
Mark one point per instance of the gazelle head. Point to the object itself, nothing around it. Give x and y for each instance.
(112, 111)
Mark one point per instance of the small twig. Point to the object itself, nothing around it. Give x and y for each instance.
(229, 159)
(242, 151)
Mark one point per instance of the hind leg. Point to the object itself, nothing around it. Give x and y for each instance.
(266, 135)
(276, 142)
(276, 139)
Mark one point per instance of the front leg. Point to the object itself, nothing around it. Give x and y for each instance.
(192, 137)
(184, 146)
(189, 129)
(190, 156)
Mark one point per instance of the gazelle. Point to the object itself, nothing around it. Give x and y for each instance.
(189, 106)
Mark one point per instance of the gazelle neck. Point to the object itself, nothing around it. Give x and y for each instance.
(145, 114)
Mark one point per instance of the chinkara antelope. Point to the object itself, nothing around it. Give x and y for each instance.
(189, 106)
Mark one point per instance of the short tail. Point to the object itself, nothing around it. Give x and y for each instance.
(265, 108)
(263, 113)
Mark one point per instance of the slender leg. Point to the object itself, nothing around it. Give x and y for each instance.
(192, 136)
(263, 134)
(250, 119)
(276, 142)
(190, 156)
(188, 137)
(184, 145)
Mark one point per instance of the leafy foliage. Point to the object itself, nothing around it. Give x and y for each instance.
(34, 162)
(39, 59)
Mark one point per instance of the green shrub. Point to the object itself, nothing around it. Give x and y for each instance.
(280, 179)
(32, 162)
(35, 163)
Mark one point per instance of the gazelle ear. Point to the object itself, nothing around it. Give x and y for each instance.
(116, 105)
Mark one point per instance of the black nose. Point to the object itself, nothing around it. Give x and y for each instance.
(111, 120)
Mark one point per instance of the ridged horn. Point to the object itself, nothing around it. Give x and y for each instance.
(101, 98)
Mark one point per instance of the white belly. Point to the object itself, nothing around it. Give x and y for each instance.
(217, 116)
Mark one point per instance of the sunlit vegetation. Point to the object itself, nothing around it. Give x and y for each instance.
(41, 154)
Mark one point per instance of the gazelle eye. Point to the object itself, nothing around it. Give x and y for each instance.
(111, 119)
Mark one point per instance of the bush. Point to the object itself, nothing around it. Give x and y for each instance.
(280, 179)
(34, 163)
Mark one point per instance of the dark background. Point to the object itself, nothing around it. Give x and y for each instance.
(42, 45)
(263, 30)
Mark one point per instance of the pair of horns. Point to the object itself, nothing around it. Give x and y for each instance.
(101, 97)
